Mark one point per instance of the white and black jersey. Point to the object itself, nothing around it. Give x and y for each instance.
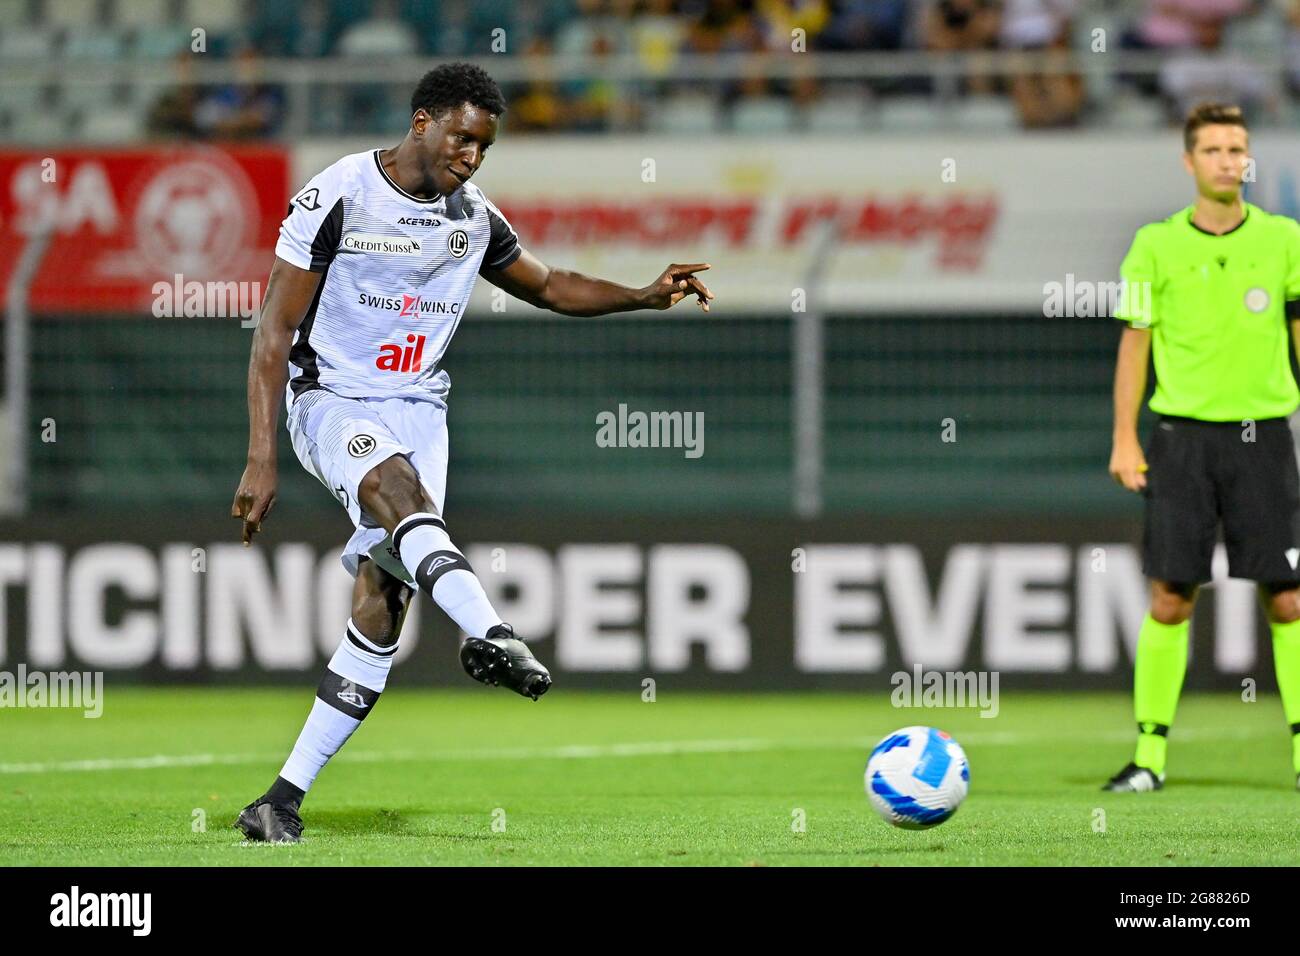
(398, 273)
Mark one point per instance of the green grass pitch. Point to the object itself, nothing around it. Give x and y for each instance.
(479, 776)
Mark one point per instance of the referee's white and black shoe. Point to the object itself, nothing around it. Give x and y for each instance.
(501, 658)
(1135, 779)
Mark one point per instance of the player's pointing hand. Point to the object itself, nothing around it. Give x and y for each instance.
(675, 283)
(254, 498)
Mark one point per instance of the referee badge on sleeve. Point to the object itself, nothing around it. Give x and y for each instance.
(1257, 299)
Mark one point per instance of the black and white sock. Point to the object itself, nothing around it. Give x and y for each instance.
(353, 681)
(441, 571)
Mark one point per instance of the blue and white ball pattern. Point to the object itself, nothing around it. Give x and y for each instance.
(917, 777)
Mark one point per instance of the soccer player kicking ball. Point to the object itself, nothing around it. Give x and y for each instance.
(374, 267)
(1212, 289)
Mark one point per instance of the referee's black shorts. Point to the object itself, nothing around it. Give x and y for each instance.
(1200, 473)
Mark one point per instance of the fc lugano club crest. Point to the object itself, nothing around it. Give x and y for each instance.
(360, 446)
(458, 244)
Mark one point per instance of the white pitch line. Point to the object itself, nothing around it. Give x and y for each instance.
(591, 751)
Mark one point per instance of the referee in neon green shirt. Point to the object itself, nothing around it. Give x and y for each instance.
(1212, 293)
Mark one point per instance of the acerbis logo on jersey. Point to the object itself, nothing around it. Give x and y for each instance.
(389, 245)
(396, 358)
(309, 200)
(408, 221)
(458, 244)
(408, 306)
(361, 445)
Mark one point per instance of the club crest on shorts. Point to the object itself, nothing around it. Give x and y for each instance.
(1257, 299)
(360, 446)
(458, 244)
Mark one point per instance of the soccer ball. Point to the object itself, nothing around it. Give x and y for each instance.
(917, 777)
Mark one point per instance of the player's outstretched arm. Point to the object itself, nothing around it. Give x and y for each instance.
(572, 293)
(289, 294)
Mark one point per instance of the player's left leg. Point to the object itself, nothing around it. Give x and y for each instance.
(353, 680)
(393, 494)
(1282, 604)
(1177, 547)
(1261, 531)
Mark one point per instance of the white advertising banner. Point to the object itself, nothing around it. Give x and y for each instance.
(919, 224)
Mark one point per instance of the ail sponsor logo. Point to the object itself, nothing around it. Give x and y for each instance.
(402, 358)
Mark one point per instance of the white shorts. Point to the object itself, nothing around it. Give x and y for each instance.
(340, 439)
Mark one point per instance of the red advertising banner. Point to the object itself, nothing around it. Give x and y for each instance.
(124, 220)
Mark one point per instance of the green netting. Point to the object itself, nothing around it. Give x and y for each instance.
(150, 412)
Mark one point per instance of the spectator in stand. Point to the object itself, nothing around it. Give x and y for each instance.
(1183, 24)
(172, 115)
(964, 26)
(1048, 97)
(865, 25)
(380, 36)
(244, 109)
(311, 37)
(539, 107)
(592, 101)
(602, 28)
(1170, 25)
(593, 19)
(724, 26)
(1208, 73)
(383, 33)
(729, 26)
(656, 34)
(778, 19)
(1036, 24)
(1293, 46)
(1052, 97)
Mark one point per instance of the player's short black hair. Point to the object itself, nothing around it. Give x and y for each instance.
(454, 84)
